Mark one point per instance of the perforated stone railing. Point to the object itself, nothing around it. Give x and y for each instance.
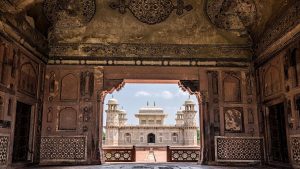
(63, 149)
(239, 149)
(183, 154)
(119, 154)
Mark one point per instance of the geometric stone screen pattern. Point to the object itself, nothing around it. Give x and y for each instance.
(115, 155)
(183, 155)
(231, 149)
(3, 149)
(295, 143)
(63, 148)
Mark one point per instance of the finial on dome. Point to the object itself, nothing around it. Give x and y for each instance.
(154, 104)
(189, 96)
(112, 96)
(147, 103)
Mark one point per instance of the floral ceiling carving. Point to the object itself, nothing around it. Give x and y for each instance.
(69, 12)
(151, 11)
(234, 15)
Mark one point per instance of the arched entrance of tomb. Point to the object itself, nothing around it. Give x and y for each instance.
(151, 138)
(188, 80)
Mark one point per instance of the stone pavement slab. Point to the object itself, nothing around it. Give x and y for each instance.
(151, 166)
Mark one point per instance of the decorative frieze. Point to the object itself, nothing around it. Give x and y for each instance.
(239, 149)
(126, 50)
(68, 149)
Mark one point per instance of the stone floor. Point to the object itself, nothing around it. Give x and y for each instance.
(152, 166)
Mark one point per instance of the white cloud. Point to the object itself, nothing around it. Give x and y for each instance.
(167, 95)
(181, 93)
(142, 93)
(164, 94)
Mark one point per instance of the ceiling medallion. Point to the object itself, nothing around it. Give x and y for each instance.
(68, 10)
(232, 14)
(151, 11)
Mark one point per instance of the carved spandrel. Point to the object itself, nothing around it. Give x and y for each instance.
(192, 86)
(110, 86)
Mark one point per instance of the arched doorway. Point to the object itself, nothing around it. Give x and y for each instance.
(116, 77)
(151, 138)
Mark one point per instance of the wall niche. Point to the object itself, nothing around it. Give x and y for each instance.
(232, 87)
(67, 119)
(69, 88)
(28, 79)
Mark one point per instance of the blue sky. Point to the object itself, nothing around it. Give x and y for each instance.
(134, 96)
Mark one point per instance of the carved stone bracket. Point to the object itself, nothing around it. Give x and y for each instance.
(110, 86)
(191, 86)
(152, 12)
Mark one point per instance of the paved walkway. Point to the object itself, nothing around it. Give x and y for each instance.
(153, 166)
(151, 156)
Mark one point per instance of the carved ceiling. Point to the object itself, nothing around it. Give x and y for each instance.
(232, 15)
(233, 20)
(151, 12)
(68, 13)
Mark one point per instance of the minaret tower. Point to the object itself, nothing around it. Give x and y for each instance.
(122, 117)
(112, 122)
(179, 118)
(189, 118)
